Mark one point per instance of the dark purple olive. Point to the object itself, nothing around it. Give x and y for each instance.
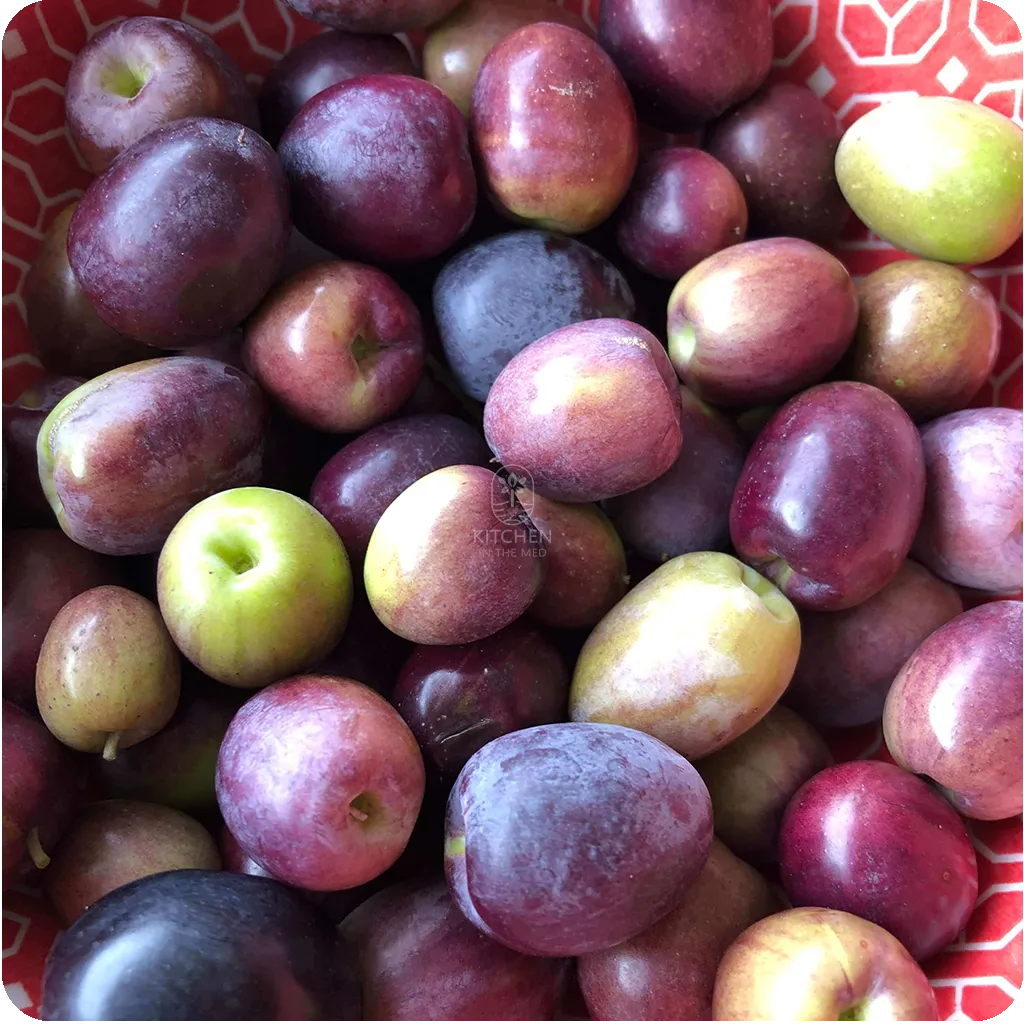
(181, 237)
(456, 699)
(781, 148)
(379, 169)
(355, 486)
(682, 207)
(495, 297)
(319, 63)
(200, 945)
(830, 496)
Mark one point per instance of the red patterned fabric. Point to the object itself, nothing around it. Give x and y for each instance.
(852, 53)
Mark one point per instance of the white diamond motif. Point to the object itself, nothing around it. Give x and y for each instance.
(952, 75)
(17, 995)
(821, 81)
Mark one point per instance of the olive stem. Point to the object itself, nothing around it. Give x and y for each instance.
(110, 747)
(35, 850)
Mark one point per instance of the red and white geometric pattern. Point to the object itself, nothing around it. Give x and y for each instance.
(30, 929)
(853, 53)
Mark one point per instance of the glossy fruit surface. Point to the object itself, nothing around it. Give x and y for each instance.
(683, 206)
(140, 73)
(123, 457)
(954, 711)
(757, 322)
(456, 47)
(970, 530)
(176, 767)
(254, 584)
(781, 146)
(357, 484)
(871, 839)
(538, 146)
(42, 571)
(260, 952)
(752, 780)
(373, 15)
(496, 297)
(586, 562)
(26, 503)
(458, 699)
(339, 345)
(817, 964)
(108, 674)
(668, 971)
(687, 507)
(588, 412)
(68, 335)
(319, 63)
(687, 62)
(849, 659)
(831, 495)
(182, 239)
(699, 688)
(936, 176)
(453, 559)
(407, 195)
(420, 959)
(928, 335)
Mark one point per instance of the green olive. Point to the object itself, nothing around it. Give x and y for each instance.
(935, 176)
